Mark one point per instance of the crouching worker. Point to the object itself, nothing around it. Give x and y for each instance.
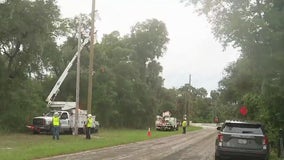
(89, 126)
(55, 126)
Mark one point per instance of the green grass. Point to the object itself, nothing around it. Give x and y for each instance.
(29, 146)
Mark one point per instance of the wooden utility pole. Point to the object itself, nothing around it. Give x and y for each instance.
(91, 60)
(189, 80)
(188, 110)
(78, 80)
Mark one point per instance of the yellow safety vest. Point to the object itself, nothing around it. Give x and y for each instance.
(55, 121)
(184, 124)
(90, 122)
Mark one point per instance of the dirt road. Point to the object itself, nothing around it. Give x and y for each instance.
(197, 145)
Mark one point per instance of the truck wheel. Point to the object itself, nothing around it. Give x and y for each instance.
(80, 131)
(70, 131)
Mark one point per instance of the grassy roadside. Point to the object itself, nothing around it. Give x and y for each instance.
(29, 146)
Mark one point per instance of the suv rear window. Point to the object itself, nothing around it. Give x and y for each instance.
(243, 128)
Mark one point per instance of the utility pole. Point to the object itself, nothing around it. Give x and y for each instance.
(188, 98)
(91, 60)
(189, 81)
(78, 80)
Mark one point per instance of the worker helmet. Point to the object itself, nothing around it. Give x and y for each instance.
(56, 114)
(89, 115)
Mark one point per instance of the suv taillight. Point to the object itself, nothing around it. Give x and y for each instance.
(220, 139)
(265, 142)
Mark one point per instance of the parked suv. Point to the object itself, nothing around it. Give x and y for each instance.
(241, 140)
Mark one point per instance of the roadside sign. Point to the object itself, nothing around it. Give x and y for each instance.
(243, 110)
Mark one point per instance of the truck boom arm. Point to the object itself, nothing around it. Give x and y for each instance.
(57, 85)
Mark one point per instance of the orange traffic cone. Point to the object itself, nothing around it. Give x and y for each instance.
(149, 133)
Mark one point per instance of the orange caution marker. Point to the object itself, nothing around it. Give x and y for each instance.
(149, 133)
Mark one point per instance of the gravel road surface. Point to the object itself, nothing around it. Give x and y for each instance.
(197, 145)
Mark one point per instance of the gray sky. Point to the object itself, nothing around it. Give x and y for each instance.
(192, 48)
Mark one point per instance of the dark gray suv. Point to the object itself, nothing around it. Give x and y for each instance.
(241, 140)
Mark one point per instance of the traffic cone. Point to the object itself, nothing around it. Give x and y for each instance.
(149, 132)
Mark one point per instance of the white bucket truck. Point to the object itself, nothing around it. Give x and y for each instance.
(66, 110)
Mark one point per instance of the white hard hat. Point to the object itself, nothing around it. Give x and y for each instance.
(56, 114)
(89, 115)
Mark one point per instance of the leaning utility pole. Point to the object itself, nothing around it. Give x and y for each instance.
(91, 60)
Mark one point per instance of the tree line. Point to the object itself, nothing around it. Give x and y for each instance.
(128, 88)
(36, 45)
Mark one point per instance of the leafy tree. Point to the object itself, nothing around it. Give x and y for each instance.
(149, 40)
(127, 81)
(256, 79)
(27, 29)
(169, 101)
(27, 35)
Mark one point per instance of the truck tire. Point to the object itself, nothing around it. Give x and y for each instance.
(81, 131)
(70, 131)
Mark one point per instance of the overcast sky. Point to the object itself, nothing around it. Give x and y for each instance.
(192, 48)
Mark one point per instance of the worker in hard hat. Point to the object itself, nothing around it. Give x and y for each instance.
(89, 126)
(184, 124)
(55, 126)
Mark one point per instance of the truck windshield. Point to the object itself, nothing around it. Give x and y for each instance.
(49, 114)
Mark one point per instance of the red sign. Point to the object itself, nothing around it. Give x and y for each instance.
(243, 110)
